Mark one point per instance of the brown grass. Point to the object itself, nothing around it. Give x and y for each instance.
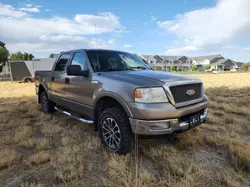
(39, 158)
(39, 150)
(8, 157)
(70, 160)
(38, 143)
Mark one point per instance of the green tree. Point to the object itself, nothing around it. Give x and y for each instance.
(244, 67)
(21, 56)
(173, 68)
(52, 55)
(25, 56)
(207, 67)
(194, 68)
(4, 54)
(158, 68)
(30, 57)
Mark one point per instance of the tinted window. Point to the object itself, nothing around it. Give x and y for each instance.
(62, 62)
(114, 61)
(79, 59)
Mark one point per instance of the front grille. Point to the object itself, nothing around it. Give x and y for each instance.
(180, 92)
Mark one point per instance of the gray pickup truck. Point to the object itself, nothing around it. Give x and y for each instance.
(121, 96)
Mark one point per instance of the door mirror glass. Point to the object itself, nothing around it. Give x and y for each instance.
(76, 70)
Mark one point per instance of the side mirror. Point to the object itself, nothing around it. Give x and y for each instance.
(76, 70)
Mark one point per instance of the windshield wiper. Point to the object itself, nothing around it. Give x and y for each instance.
(137, 67)
(111, 69)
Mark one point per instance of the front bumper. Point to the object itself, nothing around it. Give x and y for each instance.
(167, 126)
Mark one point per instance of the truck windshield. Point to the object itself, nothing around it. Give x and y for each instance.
(103, 61)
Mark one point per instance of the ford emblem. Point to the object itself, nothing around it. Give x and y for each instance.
(190, 92)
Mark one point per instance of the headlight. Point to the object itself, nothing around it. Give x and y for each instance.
(150, 95)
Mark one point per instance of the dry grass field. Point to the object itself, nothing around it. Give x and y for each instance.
(39, 150)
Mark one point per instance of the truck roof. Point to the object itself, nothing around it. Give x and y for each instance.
(75, 50)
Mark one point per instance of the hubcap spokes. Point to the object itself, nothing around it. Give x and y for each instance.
(111, 133)
(44, 103)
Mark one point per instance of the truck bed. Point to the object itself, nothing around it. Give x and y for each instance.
(44, 74)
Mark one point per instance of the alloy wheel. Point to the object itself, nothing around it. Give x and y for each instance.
(44, 103)
(111, 133)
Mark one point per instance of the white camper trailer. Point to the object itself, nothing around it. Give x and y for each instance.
(23, 71)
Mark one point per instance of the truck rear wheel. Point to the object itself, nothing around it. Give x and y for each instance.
(46, 105)
(27, 80)
(115, 132)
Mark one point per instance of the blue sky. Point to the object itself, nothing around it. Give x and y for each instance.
(165, 27)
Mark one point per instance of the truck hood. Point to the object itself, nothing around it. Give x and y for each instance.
(146, 77)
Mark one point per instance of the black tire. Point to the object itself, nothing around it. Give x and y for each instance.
(27, 80)
(126, 143)
(46, 105)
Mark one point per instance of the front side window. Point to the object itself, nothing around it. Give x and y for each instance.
(102, 61)
(62, 62)
(79, 59)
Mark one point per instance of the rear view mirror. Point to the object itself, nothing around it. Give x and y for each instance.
(76, 70)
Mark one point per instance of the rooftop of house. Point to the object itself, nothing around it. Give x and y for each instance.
(170, 57)
(164, 57)
(208, 57)
(239, 64)
(221, 62)
(147, 56)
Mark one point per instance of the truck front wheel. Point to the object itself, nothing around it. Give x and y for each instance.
(115, 132)
(46, 105)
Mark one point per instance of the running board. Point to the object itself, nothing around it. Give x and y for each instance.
(75, 117)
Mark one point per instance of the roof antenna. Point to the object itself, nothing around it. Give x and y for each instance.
(95, 35)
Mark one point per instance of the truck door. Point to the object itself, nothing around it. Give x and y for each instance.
(79, 89)
(58, 77)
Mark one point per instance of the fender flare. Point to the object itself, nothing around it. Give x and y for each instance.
(115, 97)
(45, 89)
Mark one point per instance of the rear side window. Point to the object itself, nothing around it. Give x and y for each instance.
(62, 62)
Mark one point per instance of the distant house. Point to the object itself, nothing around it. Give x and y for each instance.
(166, 63)
(206, 60)
(217, 63)
(183, 63)
(224, 65)
(239, 65)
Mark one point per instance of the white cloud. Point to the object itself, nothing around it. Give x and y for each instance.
(153, 18)
(181, 50)
(53, 33)
(30, 9)
(111, 41)
(105, 20)
(32, 28)
(47, 10)
(29, 5)
(226, 23)
(141, 43)
(8, 10)
(227, 47)
(246, 49)
(127, 46)
(57, 44)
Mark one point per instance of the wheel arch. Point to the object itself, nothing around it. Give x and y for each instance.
(108, 100)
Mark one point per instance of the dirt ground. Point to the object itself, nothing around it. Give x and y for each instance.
(39, 150)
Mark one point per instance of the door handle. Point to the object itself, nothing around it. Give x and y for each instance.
(67, 80)
(52, 78)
